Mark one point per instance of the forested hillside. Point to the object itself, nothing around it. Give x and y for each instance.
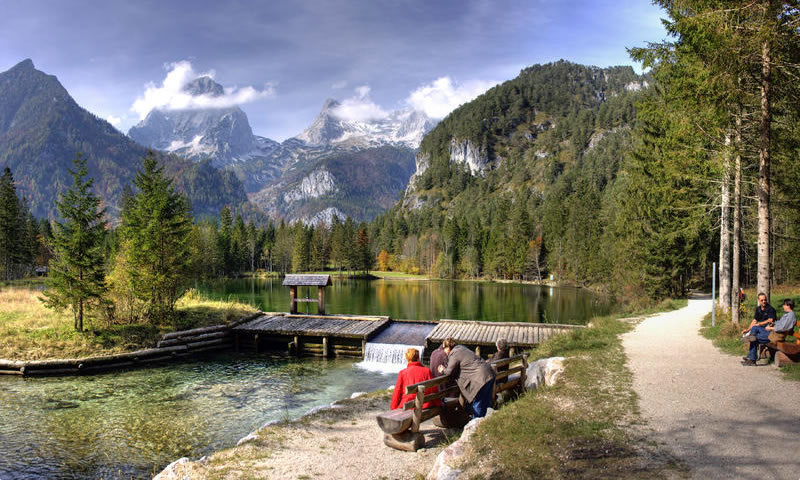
(550, 145)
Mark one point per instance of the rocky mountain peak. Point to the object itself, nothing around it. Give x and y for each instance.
(204, 86)
(26, 64)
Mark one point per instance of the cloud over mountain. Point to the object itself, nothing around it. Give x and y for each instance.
(359, 108)
(172, 95)
(442, 96)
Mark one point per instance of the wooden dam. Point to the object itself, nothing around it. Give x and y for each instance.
(348, 335)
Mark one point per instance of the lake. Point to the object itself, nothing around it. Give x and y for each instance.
(133, 423)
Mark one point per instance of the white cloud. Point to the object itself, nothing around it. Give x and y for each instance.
(113, 120)
(359, 108)
(170, 95)
(441, 97)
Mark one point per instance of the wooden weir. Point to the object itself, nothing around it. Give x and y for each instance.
(316, 335)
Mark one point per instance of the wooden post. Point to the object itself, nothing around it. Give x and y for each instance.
(321, 300)
(236, 341)
(512, 351)
(325, 347)
(415, 423)
(255, 343)
(297, 345)
(478, 350)
(293, 299)
(364, 348)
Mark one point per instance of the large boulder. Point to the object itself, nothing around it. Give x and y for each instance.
(544, 372)
(443, 467)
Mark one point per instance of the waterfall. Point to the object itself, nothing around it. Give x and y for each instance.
(387, 357)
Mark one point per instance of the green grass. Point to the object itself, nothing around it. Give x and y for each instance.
(727, 337)
(32, 332)
(577, 428)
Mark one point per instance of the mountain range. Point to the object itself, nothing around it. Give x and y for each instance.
(334, 166)
(42, 128)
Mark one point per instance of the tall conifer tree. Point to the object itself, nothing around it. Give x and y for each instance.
(77, 273)
(155, 228)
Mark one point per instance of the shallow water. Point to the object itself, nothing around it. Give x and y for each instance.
(133, 423)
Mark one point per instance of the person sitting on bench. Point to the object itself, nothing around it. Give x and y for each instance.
(785, 326)
(757, 333)
(414, 373)
(474, 377)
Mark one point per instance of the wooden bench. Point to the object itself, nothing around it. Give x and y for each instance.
(401, 426)
(787, 352)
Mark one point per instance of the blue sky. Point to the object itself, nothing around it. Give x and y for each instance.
(281, 60)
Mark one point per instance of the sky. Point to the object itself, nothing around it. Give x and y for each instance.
(280, 60)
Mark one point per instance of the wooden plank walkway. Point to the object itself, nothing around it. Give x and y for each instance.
(517, 334)
(314, 325)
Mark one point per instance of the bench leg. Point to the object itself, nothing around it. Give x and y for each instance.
(407, 441)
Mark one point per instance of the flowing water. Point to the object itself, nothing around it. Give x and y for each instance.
(131, 424)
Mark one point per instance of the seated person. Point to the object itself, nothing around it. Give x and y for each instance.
(757, 333)
(785, 326)
(500, 354)
(410, 375)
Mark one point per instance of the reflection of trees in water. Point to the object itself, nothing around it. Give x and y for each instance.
(429, 299)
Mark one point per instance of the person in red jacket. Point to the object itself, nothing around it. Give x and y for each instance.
(410, 375)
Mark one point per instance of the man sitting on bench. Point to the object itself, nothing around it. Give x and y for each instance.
(757, 333)
(474, 377)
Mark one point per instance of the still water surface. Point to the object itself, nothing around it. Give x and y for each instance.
(131, 424)
(425, 300)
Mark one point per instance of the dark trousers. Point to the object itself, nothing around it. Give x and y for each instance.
(483, 400)
(762, 337)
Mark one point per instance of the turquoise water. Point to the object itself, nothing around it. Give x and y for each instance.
(132, 424)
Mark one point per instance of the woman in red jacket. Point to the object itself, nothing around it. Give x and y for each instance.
(410, 375)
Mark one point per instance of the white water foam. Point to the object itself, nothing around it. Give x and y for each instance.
(386, 357)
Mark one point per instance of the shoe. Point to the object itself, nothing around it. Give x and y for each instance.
(749, 338)
(748, 363)
(745, 359)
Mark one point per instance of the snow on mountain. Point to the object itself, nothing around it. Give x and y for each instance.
(400, 128)
(221, 134)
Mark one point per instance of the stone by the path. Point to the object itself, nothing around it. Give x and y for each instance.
(443, 467)
(544, 372)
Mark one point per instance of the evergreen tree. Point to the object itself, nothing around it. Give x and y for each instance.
(156, 229)
(77, 273)
(9, 223)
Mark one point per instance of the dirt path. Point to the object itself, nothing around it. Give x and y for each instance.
(722, 419)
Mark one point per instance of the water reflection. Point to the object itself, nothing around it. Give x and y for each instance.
(426, 300)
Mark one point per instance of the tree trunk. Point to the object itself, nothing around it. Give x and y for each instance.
(725, 234)
(763, 276)
(737, 222)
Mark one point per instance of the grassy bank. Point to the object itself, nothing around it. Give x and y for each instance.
(578, 428)
(32, 332)
(727, 337)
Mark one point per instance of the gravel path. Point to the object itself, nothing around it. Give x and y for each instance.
(722, 419)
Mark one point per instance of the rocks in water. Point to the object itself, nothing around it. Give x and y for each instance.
(442, 469)
(544, 372)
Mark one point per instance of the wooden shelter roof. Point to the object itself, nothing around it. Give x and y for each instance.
(519, 334)
(307, 280)
(310, 325)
